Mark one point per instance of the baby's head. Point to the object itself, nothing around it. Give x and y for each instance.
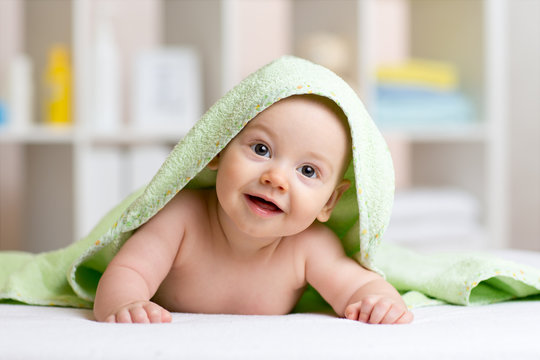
(285, 169)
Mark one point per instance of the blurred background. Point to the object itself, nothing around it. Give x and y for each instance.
(94, 94)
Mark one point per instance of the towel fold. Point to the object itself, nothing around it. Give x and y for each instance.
(456, 277)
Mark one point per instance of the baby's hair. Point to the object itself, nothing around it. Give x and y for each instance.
(329, 103)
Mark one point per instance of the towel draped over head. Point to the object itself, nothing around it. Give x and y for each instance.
(359, 219)
(69, 276)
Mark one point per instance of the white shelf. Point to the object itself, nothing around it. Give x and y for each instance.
(128, 136)
(42, 135)
(38, 135)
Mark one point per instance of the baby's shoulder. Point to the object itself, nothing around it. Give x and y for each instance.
(189, 202)
(316, 239)
(191, 196)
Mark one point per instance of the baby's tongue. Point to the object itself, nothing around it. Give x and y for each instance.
(264, 204)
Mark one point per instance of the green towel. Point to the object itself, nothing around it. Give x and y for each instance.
(456, 277)
(69, 276)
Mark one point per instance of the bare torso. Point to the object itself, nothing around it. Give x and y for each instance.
(206, 278)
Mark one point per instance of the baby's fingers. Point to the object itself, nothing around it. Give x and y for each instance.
(123, 316)
(380, 311)
(142, 313)
(393, 314)
(157, 314)
(139, 315)
(405, 318)
(352, 311)
(360, 310)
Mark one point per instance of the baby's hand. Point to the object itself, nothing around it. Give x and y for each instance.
(378, 310)
(140, 312)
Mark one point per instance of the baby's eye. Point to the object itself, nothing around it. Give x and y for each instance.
(307, 171)
(261, 150)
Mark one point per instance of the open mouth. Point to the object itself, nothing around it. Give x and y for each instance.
(263, 205)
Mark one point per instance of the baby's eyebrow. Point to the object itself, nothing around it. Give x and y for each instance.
(321, 158)
(261, 126)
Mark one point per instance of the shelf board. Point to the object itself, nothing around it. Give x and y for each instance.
(71, 135)
(129, 136)
(38, 135)
(473, 132)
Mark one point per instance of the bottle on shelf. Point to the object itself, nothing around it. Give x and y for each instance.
(20, 92)
(107, 72)
(58, 87)
(3, 114)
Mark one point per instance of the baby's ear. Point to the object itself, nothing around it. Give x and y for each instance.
(214, 163)
(326, 211)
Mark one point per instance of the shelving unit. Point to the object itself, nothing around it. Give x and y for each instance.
(52, 173)
(468, 34)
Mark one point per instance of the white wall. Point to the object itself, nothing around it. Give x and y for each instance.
(524, 124)
(11, 208)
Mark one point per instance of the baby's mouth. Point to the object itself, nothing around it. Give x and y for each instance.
(263, 204)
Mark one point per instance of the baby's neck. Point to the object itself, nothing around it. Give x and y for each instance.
(240, 244)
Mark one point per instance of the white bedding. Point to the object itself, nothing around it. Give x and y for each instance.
(502, 331)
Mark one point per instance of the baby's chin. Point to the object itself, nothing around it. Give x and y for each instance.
(271, 231)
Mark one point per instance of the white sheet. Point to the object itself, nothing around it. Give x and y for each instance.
(502, 331)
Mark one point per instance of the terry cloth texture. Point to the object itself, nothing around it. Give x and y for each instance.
(69, 276)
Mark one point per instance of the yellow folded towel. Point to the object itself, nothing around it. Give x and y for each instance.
(419, 72)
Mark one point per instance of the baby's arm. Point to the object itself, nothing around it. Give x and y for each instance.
(135, 273)
(353, 292)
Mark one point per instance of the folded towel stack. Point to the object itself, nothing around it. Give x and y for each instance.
(436, 219)
(420, 93)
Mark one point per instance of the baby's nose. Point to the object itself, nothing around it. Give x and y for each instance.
(275, 178)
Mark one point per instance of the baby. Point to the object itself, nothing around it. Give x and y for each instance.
(252, 244)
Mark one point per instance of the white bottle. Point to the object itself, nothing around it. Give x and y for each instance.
(20, 93)
(107, 78)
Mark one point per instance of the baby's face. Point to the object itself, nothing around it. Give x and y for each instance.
(277, 175)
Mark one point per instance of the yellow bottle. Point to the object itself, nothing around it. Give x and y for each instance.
(58, 87)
